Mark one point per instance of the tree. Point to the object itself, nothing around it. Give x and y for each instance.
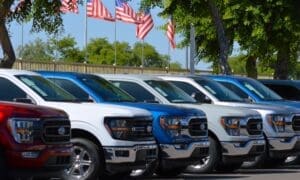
(206, 16)
(37, 50)
(45, 15)
(65, 49)
(265, 29)
(151, 57)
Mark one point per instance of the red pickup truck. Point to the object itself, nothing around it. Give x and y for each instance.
(34, 141)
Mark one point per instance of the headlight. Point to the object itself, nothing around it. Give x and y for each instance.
(22, 129)
(118, 128)
(231, 125)
(171, 124)
(277, 122)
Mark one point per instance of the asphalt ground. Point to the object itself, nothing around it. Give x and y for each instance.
(281, 173)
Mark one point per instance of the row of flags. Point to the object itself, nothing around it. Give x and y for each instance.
(123, 12)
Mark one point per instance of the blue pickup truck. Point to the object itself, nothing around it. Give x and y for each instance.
(181, 133)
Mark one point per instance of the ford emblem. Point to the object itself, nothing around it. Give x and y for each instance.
(259, 126)
(61, 131)
(149, 129)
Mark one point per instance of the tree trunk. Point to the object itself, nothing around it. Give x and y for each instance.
(9, 56)
(222, 39)
(251, 67)
(282, 63)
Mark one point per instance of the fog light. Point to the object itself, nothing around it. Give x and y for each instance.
(30, 154)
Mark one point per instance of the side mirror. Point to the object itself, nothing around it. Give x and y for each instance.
(248, 100)
(199, 97)
(23, 100)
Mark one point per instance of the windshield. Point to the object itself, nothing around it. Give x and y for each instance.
(170, 92)
(219, 91)
(106, 90)
(46, 89)
(260, 90)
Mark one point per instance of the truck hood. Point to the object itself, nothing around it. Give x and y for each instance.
(223, 110)
(78, 110)
(269, 108)
(295, 104)
(166, 109)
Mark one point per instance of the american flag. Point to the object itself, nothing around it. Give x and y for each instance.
(125, 13)
(96, 9)
(171, 33)
(69, 6)
(146, 25)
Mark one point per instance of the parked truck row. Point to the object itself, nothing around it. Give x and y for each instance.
(137, 125)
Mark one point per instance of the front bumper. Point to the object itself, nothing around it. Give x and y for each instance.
(122, 159)
(47, 163)
(180, 151)
(251, 147)
(283, 147)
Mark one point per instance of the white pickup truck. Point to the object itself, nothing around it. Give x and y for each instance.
(278, 121)
(103, 135)
(235, 133)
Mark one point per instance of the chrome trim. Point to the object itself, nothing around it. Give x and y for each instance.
(133, 150)
(234, 148)
(185, 125)
(283, 143)
(177, 151)
(244, 123)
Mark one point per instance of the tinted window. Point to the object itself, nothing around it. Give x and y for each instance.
(135, 90)
(106, 90)
(46, 89)
(218, 91)
(259, 89)
(72, 88)
(9, 91)
(170, 92)
(235, 89)
(286, 91)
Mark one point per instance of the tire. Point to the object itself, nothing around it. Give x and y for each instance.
(3, 168)
(292, 160)
(88, 156)
(208, 164)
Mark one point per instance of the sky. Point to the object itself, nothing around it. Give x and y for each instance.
(74, 25)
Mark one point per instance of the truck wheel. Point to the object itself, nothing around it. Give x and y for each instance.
(3, 169)
(207, 164)
(292, 160)
(87, 161)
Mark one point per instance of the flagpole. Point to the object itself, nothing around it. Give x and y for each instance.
(192, 49)
(143, 54)
(169, 54)
(115, 60)
(22, 40)
(85, 33)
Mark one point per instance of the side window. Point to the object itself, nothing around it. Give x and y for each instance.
(135, 90)
(189, 89)
(9, 91)
(71, 87)
(286, 91)
(235, 89)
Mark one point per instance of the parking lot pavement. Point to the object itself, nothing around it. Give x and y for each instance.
(283, 173)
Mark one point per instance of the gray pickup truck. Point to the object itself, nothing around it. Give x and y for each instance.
(282, 140)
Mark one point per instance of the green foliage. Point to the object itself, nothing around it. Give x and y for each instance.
(37, 50)
(98, 51)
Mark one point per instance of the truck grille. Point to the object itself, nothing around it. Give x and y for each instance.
(296, 123)
(56, 131)
(141, 129)
(255, 126)
(198, 127)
